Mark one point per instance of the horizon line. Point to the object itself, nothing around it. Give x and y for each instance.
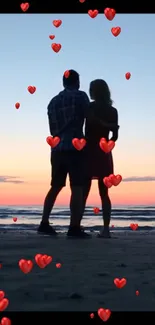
(89, 205)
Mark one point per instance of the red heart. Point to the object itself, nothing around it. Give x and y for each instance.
(31, 89)
(25, 265)
(57, 22)
(4, 304)
(40, 261)
(48, 259)
(56, 47)
(115, 180)
(2, 295)
(93, 13)
(96, 210)
(92, 315)
(107, 182)
(66, 73)
(43, 260)
(105, 145)
(14, 219)
(128, 75)
(110, 13)
(58, 265)
(78, 143)
(134, 226)
(5, 321)
(82, 1)
(104, 314)
(25, 6)
(111, 177)
(120, 283)
(51, 36)
(17, 105)
(116, 31)
(53, 141)
(137, 293)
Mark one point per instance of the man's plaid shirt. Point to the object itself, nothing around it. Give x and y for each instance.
(67, 112)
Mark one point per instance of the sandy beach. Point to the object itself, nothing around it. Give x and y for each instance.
(85, 280)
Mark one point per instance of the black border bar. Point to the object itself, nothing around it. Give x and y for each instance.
(74, 6)
(117, 318)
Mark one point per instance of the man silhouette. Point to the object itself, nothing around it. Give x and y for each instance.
(67, 112)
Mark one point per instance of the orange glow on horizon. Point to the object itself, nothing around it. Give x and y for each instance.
(136, 193)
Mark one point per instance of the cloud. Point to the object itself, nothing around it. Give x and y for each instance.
(16, 180)
(10, 179)
(139, 179)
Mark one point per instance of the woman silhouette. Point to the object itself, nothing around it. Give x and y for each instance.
(103, 118)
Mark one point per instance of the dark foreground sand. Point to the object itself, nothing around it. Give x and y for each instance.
(85, 280)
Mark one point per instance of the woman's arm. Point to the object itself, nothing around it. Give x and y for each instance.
(115, 131)
(110, 126)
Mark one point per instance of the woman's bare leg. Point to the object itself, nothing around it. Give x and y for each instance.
(106, 209)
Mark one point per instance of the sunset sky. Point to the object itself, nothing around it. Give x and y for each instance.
(89, 47)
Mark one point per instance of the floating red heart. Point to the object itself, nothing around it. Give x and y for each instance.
(120, 283)
(43, 260)
(104, 314)
(57, 22)
(25, 265)
(96, 210)
(17, 105)
(115, 179)
(82, 1)
(137, 293)
(58, 265)
(31, 89)
(4, 304)
(78, 143)
(5, 321)
(116, 31)
(92, 315)
(25, 6)
(40, 261)
(66, 73)
(105, 145)
(2, 295)
(110, 13)
(93, 13)
(53, 141)
(134, 226)
(56, 47)
(51, 36)
(107, 182)
(14, 219)
(128, 75)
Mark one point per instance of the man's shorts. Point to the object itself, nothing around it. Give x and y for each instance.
(70, 163)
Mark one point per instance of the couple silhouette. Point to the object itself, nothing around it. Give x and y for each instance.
(72, 115)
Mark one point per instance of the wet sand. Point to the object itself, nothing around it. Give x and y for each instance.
(85, 281)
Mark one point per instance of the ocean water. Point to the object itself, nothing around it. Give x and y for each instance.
(28, 218)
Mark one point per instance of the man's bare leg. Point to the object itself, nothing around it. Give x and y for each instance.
(48, 206)
(76, 208)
